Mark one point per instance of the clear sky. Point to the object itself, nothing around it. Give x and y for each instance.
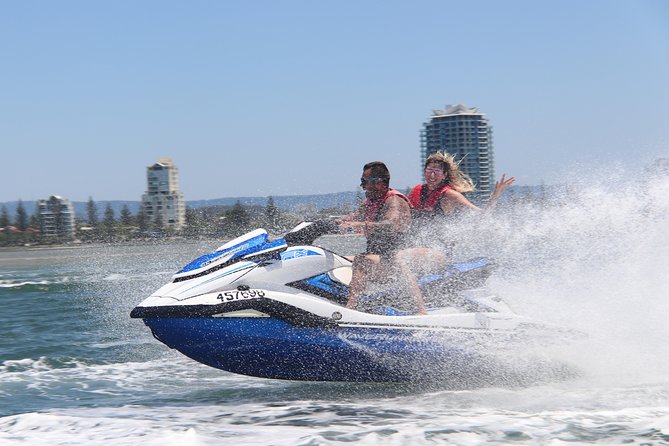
(258, 98)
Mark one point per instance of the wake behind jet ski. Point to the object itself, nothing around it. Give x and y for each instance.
(276, 309)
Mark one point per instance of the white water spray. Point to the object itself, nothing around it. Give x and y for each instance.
(594, 257)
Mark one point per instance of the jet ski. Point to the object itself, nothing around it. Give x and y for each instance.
(277, 309)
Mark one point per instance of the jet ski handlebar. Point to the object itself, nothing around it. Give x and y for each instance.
(306, 232)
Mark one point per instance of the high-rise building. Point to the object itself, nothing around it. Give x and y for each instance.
(465, 133)
(56, 218)
(162, 203)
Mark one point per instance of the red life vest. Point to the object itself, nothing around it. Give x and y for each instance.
(373, 208)
(423, 199)
(382, 242)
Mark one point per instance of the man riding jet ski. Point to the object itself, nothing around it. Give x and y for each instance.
(384, 217)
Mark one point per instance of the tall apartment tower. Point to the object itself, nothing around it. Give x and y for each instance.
(163, 204)
(56, 218)
(465, 133)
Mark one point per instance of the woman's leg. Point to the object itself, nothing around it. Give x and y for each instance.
(413, 261)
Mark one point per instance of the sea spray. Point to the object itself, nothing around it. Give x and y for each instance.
(592, 256)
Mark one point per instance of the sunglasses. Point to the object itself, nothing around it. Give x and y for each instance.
(364, 181)
(431, 170)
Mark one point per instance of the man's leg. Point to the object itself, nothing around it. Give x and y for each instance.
(362, 266)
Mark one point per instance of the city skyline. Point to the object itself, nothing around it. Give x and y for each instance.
(294, 97)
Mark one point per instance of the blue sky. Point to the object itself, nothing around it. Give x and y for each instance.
(258, 98)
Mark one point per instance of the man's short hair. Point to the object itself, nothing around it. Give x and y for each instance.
(379, 169)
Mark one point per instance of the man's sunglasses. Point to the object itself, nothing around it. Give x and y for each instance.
(364, 181)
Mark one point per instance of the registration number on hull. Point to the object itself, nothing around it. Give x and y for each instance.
(229, 296)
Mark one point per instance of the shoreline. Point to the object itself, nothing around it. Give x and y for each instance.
(104, 244)
(352, 243)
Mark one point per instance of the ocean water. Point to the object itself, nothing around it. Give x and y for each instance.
(75, 369)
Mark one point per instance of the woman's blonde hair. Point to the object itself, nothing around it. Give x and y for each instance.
(455, 178)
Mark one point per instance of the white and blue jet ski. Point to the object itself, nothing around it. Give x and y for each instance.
(276, 309)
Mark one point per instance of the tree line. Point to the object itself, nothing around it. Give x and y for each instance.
(222, 222)
(22, 229)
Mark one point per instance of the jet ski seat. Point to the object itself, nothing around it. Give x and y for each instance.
(342, 275)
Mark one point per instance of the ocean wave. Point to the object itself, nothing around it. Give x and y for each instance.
(40, 365)
(21, 284)
(14, 284)
(24, 283)
(115, 277)
(173, 400)
(330, 424)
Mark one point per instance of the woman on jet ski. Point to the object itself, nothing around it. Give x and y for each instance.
(441, 196)
(384, 218)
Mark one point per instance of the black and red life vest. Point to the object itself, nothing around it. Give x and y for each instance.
(382, 242)
(424, 201)
(426, 216)
(373, 208)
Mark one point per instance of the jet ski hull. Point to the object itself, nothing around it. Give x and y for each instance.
(271, 348)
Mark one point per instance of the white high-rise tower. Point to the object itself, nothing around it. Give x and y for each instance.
(163, 204)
